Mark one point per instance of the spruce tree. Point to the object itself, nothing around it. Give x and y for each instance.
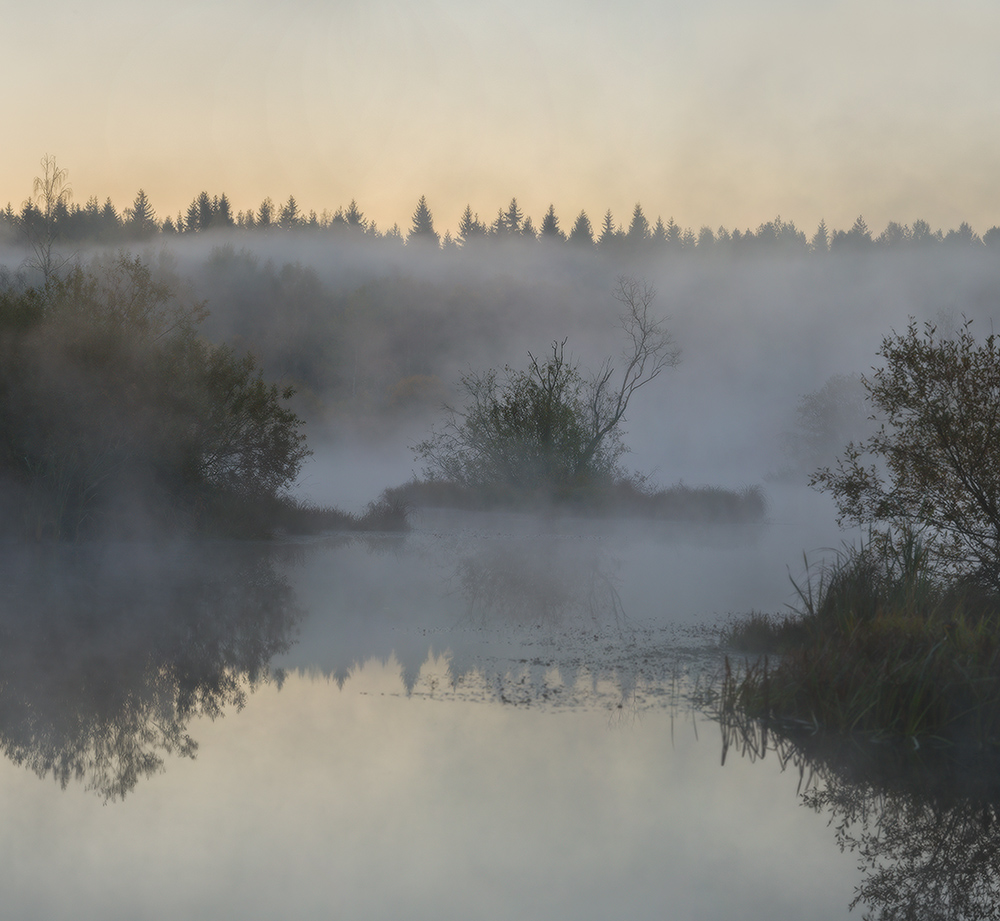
(140, 219)
(423, 230)
(609, 233)
(582, 232)
(289, 217)
(470, 227)
(223, 211)
(550, 226)
(265, 214)
(638, 231)
(354, 216)
(821, 239)
(513, 218)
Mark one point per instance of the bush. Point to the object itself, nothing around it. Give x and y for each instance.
(548, 429)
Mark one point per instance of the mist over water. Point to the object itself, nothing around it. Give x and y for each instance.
(495, 713)
(756, 335)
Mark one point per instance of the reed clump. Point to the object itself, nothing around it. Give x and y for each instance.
(881, 643)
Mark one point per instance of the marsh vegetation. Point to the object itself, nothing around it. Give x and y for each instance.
(900, 635)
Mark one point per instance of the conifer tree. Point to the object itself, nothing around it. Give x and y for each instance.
(289, 217)
(206, 212)
(222, 211)
(638, 231)
(111, 224)
(821, 239)
(859, 234)
(550, 226)
(354, 216)
(658, 236)
(140, 219)
(499, 226)
(513, 218)
(582, 232)
(673, 236)
(470, 227)
(423, 230)
(265, 214)
(609, 233)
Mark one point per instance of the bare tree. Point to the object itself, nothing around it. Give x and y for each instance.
(649, 349)
(51, 193)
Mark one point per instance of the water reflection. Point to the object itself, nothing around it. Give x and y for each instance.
(923, 824)
(108, 651)
(540, 581)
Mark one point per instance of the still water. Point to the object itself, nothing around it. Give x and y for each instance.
(491, 717)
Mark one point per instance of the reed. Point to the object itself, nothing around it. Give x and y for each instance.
(880, 643)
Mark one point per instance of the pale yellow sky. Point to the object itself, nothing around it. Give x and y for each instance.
(713, 112)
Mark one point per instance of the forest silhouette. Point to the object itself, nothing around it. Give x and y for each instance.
(48, 216)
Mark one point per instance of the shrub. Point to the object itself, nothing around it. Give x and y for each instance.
(548, 428)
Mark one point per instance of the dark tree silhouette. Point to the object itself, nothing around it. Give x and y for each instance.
(140, 219)
(470, 227)
(265, 214)
(672, 236)
(609, 235)
(582, 232)
(289, 217)
(821, 239)
(222, 212)
(422, 230)
(354, 216)
(638, 231)
(550, 226)
(513, 218)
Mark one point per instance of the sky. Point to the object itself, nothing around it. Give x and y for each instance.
(713, 112)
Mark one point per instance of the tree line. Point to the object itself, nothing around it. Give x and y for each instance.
(50, 214)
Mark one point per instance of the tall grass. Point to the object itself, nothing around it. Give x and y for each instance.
(881, 643)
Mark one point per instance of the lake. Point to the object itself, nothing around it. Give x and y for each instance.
(493, 716)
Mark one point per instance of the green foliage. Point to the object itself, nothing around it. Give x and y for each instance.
(115, 415)
(547, 428)
(934, 465)
(530, 430)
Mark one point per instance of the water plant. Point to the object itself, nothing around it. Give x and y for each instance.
(881, 643)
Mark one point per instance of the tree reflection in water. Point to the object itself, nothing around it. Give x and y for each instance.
(923, 823)
(107, 652)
